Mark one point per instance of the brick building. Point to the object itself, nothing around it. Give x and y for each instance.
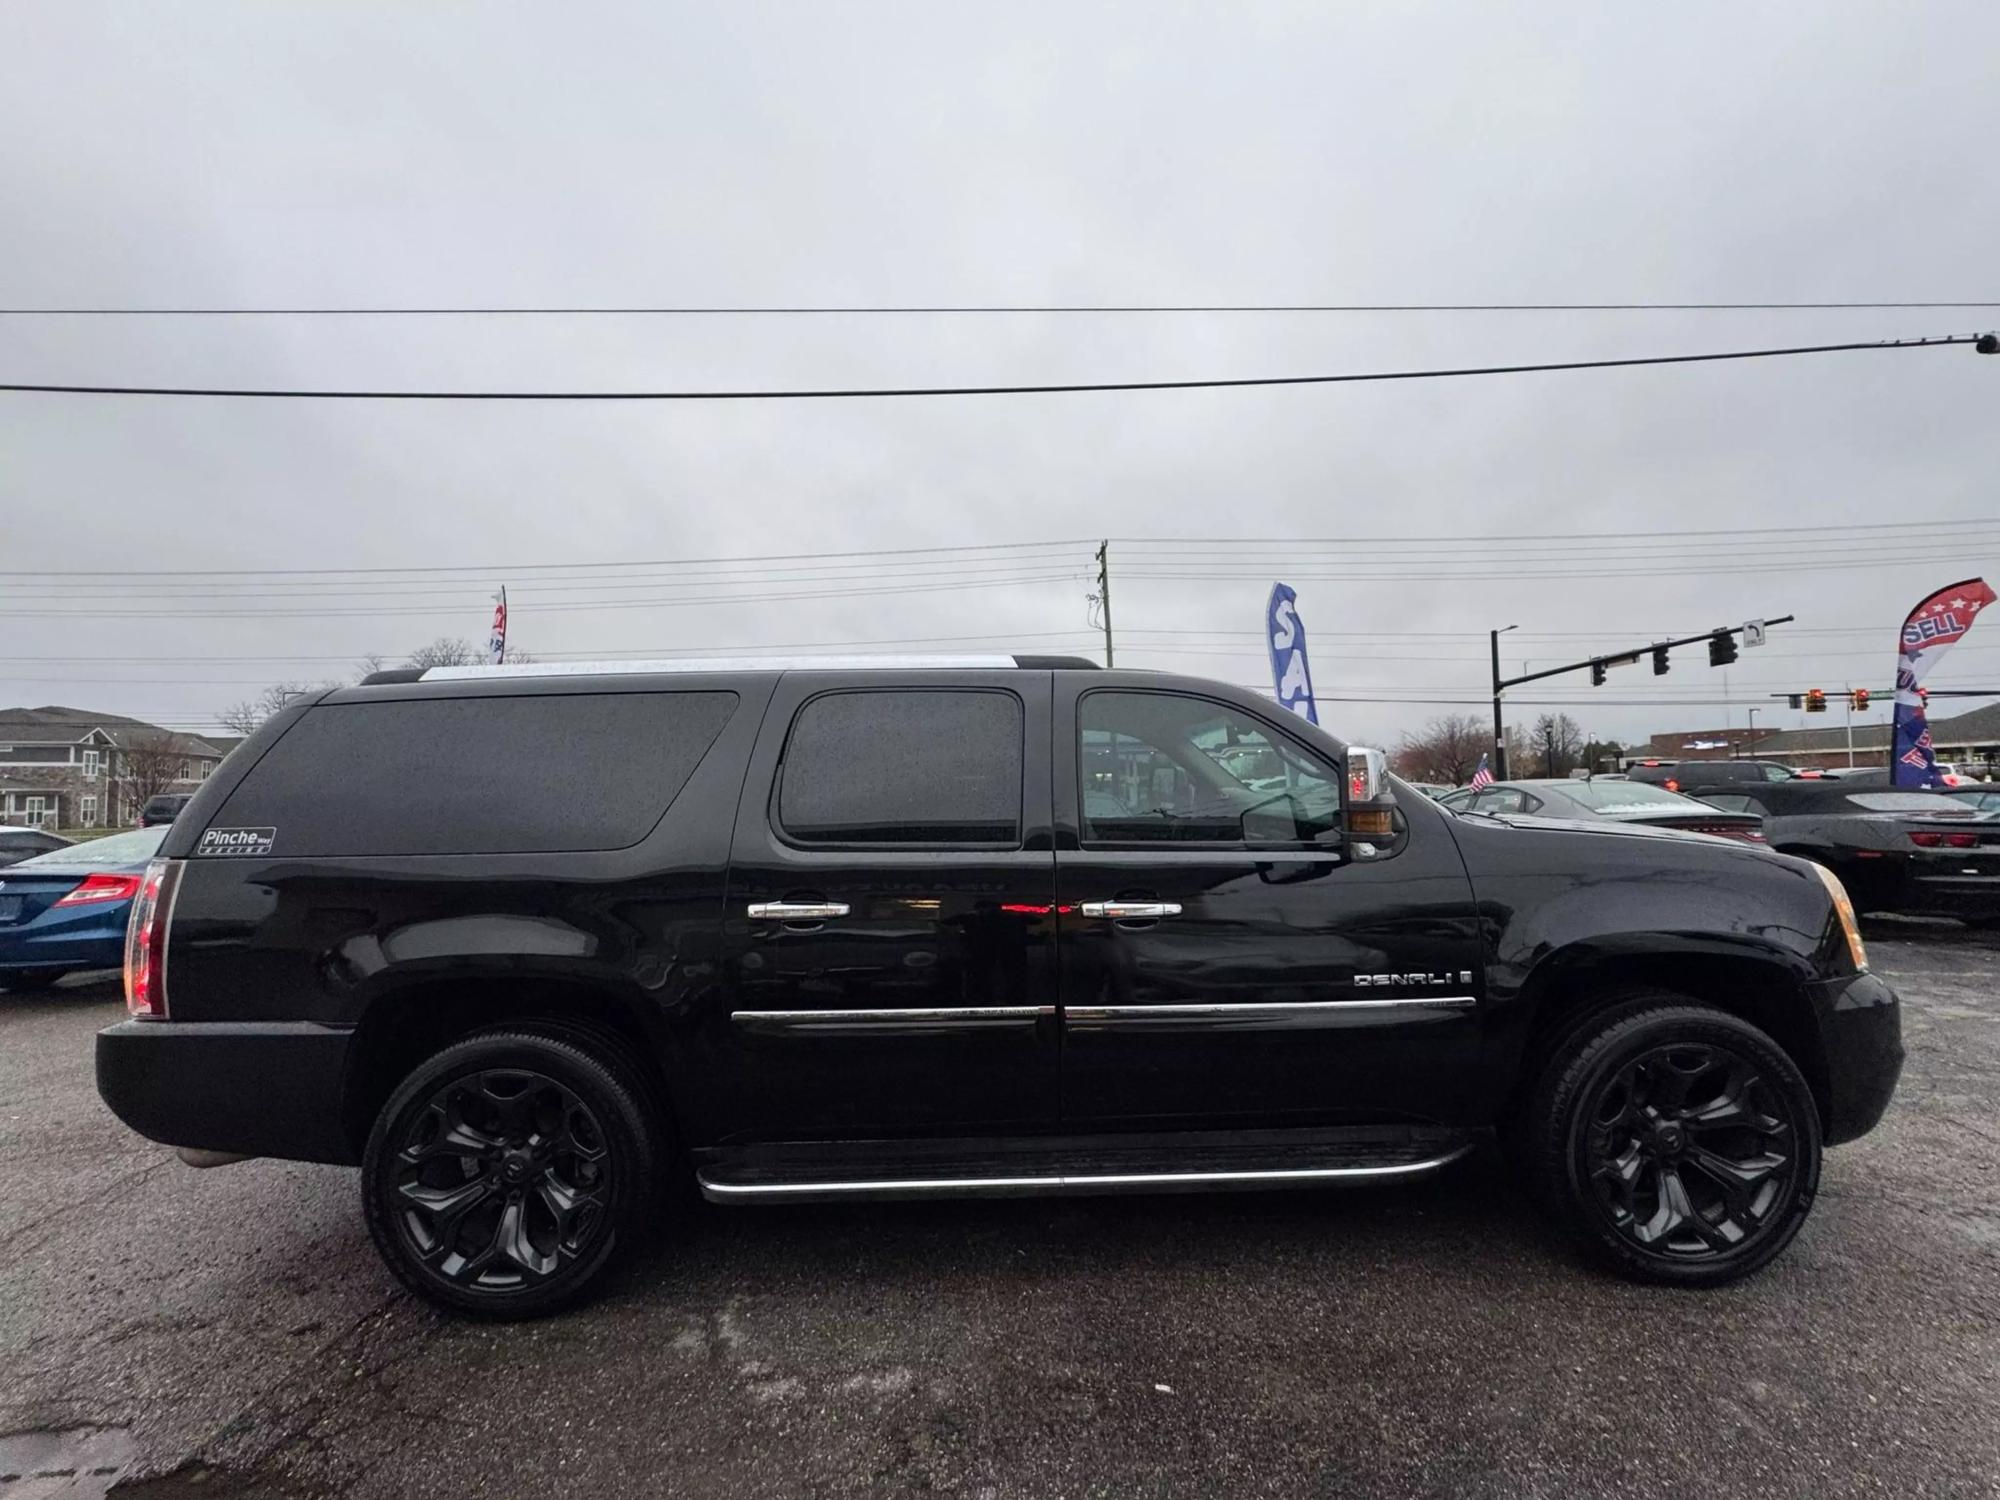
(71, 768)
(1969, 739)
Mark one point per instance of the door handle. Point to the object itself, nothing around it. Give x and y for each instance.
(1125, 911)
(796, 911)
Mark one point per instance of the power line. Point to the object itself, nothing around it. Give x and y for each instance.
(960, 309)
(1279, 547)
(1044, 389)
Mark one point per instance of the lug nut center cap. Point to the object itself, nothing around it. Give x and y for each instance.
(516, 1165)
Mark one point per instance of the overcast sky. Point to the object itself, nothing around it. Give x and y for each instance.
(350, 155)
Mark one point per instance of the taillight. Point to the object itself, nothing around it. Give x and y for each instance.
(1945, 840)
(102, 888)
(146, 941)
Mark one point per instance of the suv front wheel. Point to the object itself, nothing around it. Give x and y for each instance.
(502, 1175)
(1676, 1142)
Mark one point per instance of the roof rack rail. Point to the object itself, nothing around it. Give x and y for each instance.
(726, 664)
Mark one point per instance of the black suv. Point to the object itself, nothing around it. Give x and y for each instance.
(842, 930)
(1696, 778)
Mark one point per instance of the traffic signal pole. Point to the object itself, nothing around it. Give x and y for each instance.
(1596, 666)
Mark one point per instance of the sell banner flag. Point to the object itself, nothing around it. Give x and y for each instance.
(1290, 672)
(1932, 628)
(496, 642)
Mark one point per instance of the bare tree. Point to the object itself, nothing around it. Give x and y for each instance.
(447, 651)
(1446, 749)
(1557, 743)
(244, 717)
(150, 765)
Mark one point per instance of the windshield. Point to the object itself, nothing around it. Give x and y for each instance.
(1623, 796)
(133, 848)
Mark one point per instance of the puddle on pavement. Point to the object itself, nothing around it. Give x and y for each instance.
(79, 1464)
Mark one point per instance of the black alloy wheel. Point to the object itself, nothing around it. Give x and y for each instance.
(1689, 1149)
(1677, 1142)
(503, 1173)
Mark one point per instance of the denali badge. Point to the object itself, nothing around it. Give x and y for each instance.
(236, 841)
(1370, 981)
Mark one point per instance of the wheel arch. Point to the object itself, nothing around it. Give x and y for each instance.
(1573, 985)
(400, 1029)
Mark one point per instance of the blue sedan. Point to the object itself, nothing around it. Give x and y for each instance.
(66, 909)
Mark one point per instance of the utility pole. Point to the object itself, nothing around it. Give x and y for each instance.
(1104, 596)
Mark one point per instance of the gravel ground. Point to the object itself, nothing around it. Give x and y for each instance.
(230, 1333)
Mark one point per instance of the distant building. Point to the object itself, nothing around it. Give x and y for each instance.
(1970, 739)
(72, 768)
(1703, 744)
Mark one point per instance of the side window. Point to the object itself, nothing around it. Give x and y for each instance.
(1776, 773)
(1733, 802)
(908, 766)
(1505, 799)
(1164, 768)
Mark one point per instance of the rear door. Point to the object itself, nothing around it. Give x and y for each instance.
(1226, 961)
(889, 933)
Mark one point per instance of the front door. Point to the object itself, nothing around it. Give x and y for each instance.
(889, 927)
(1227, 960)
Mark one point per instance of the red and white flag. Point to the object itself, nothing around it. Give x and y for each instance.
(496, 643)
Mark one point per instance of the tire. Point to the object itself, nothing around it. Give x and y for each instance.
(1673, 1142)
(506, 1172)
(24, 980)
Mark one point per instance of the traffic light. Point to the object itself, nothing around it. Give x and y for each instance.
(1721, 649)
(1859, 700)
(1597, 674)
(1794, 700)
(1659, 661)
(1815, 702)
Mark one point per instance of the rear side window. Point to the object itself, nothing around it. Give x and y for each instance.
(477, 775)
(910, 766)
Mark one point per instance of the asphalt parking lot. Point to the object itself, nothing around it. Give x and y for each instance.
(230, 1333)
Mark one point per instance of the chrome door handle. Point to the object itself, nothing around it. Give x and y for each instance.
(796, 911)
(1120, 911)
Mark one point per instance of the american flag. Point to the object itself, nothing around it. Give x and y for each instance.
(1483, 776)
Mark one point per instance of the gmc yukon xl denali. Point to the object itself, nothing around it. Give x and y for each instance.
(531, 945)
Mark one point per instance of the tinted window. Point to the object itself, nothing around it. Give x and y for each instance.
(912, 766)
(1159, 767)
(478, 775)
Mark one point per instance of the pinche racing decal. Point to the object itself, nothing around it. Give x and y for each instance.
(219, 841)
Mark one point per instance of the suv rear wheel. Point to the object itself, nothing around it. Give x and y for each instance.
(1674, 1141)
(503, 1174)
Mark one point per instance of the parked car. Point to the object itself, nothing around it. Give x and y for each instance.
(1695, 777)
(1909, 852)
(1977, 796)
(67, 909)
(1432, 789)
(1625, 801)
(163, 808)
(17, 844)
(844, 930)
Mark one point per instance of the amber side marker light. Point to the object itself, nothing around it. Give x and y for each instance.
(1844, 909)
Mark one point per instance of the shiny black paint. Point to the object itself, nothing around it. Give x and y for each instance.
(1262, 926)
(343, 952)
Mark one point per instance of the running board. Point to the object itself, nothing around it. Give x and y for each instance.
(1075, 1184)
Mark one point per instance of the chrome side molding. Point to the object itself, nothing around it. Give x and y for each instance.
(796, 911)
(943, 1018)
(1272, 1010)
(1080, 1184)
